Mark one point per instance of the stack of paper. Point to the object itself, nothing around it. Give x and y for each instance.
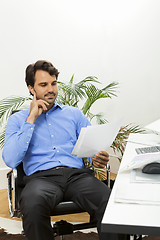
(93, 139)
(138, 193)
(137, 176)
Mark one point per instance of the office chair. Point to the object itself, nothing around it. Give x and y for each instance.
(60, 228)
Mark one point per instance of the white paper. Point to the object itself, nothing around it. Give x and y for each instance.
(137, 176)
(144, 139)
(137, 193)
(138, 197)
(93, 139)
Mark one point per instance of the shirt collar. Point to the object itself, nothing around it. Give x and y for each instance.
(56, 105)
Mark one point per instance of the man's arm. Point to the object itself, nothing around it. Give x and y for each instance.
(18, 136)
(17, 140)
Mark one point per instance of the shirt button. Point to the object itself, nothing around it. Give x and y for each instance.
(52, 135)
(49, 124)
(31, 128)
(57, 150)
(27, 142)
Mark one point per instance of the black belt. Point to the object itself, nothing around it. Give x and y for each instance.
(54, 168)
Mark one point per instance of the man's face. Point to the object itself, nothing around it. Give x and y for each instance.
(45, 87)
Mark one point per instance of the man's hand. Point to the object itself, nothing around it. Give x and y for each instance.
(36, 109)
(100, 159)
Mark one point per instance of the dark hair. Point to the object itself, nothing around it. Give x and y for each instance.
(39, 65)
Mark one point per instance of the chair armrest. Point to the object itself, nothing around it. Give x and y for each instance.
(10, 189)
(11, 175)
(108, 174)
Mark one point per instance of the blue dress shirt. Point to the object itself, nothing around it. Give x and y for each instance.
(45, 144)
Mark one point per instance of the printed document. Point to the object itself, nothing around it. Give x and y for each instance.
(93, 139)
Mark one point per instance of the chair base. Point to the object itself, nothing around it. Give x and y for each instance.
(63, 227)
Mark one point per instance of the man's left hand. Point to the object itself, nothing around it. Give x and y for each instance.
(100, 159)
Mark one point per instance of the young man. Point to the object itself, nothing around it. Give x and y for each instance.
(43, 137)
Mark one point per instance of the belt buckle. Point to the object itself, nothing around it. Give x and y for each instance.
(58, 167)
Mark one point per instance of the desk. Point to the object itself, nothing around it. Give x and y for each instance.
(130, 218)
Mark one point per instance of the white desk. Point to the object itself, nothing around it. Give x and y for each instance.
(130, 218)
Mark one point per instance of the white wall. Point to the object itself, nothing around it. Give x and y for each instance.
(113, 40)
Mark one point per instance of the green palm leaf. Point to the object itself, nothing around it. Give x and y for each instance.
(7, 105)
(74, 92)
(2, 136)
(99, 117)
(93, 94)
(111, 89)
(120, 141)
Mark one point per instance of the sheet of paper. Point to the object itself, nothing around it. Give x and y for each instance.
(144, 139)
(137, 176)
(137, 193)
(93, 139)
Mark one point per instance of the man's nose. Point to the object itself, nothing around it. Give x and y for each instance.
(50, 88)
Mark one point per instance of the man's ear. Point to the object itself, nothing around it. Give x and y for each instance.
(31, 89)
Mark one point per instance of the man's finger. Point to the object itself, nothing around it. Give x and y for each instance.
(34, 96)
(40, 101)
(100, 160)
(104, 153)
(42, 105)
(102, 157)
(98, 164)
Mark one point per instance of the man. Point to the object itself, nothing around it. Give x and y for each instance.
(43, 137)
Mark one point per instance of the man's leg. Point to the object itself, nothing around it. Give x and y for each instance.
(38, 199)
(91, 194)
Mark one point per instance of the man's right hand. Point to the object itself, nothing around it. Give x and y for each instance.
(36, 109)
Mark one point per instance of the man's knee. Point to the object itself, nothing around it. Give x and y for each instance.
(32, 201)
(36, 199)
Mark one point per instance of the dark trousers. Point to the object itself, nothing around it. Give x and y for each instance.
(45, 189)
